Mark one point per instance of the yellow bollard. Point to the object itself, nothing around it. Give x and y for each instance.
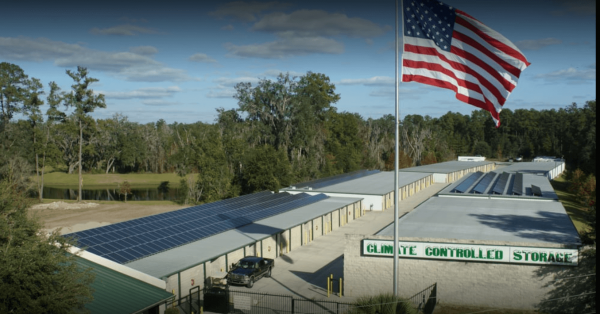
(340, 287)
(328, 286)
(311, 237)
(202, 310)
(173, 304)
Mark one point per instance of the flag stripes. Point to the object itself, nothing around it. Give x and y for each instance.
(481, 66)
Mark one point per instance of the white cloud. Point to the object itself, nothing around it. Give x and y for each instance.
(148, 92)
(159, 102)
(144, 50)
(201, 57)
(287, 46)
(123, 30)
(312, 23)
(537, 44)
(571, 74)
(131, 66)
(227, 27)
(373, 81)
(245, 11)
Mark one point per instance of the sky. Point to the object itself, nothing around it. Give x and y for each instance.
(180, 60)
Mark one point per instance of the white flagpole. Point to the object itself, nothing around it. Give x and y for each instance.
(396, 187)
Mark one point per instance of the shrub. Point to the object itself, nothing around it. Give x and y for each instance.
(383, 304)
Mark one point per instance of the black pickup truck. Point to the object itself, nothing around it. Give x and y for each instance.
(249, 269)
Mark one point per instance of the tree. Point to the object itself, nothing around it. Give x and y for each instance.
(38, 274)
(13, 91)
(83, 100)
(265, 169)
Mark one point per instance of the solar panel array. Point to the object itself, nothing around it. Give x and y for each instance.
(464, 186)
(501, 183)
(134, 239)
(518, 184)
(483, 184)
(319, 183)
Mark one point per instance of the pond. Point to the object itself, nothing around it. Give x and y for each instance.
(112, 194)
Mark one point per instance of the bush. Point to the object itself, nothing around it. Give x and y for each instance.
(383, 304)
(172, 310)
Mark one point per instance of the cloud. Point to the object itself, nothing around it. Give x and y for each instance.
(269, 73)
(40, 49)
(227, 27)
(201, 57)
(537, 44)
(148, 92)
(159, 102)
(246, 11)
(373, 81)
(313, 23)
(285, 47)
(144, 50)
(576, 7)
(129, 65)
(571, 74)
(225, 87)
(223, 81)
(123, 30)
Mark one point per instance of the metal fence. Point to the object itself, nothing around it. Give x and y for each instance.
(425, 300)
(244, 302)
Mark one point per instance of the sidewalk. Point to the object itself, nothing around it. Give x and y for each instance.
(303, 272)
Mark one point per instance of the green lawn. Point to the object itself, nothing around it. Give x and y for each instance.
(61, 179)
(576, 211)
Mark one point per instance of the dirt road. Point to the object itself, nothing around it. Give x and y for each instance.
(73, 217)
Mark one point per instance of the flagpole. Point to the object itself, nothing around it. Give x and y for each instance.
(396, 187)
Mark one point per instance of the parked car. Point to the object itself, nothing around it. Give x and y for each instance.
(249, 269)
(520, 158)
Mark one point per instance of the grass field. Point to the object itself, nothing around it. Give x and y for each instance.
(576, 211)
(145, 203)
(138, 180)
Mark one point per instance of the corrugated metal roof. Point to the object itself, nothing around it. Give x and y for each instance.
(377, 184)
(528, 167)
(506, 220)
(116, 293)
(447, 167)
(491, 188)
(323, 182)
(186, 256)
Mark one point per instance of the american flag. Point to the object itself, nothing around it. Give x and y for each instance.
(448, 48)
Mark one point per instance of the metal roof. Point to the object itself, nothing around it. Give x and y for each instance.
(501, 185)
(376, 184)
(115, 292)
(323, 182)
(186, 256)
(447, 167)
(134, 239)
(505, 220)
(528, 167)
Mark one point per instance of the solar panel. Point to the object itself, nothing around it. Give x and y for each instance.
(501, 183)
(536, 190)
(484, 183)
(518, 184)
(137, 238)
(319, 183)
(464, 186)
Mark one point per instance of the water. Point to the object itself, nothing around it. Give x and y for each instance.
(112, 194)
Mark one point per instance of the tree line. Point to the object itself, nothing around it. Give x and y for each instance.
(283, 131)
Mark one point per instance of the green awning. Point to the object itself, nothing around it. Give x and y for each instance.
(115, 292)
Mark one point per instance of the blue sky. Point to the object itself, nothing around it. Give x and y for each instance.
(180, 60)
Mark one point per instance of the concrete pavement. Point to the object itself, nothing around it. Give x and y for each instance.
(303, 272)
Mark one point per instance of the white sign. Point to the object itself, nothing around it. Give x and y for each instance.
(242, 302)
(472, 252)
